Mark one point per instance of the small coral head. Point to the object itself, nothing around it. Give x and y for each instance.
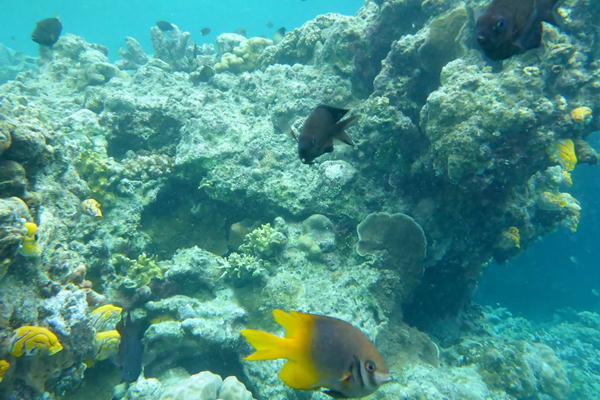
(582, 115)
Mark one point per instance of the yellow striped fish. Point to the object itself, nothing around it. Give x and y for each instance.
(30, 340)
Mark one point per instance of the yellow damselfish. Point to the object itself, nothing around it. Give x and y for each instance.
(29, 246)
(30, 340)
(92, 207)
(4, 366)
(322, 352)
(565, 152)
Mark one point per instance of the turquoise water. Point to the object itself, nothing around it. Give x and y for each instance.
(109, 22)
(381, 170)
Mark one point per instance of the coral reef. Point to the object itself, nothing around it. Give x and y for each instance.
(210, 221)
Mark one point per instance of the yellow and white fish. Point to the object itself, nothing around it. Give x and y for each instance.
(322, 352)
(30, 340)
(92, 208)
(29, 246)
(106, 317)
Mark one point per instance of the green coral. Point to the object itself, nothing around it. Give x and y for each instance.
(244, 57)
(141, 272)
(97, 172)
(263, 242)
(242, 268)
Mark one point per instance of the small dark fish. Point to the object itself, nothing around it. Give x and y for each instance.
(509, 27)
(319, 129)
(270, 24)
(279, 34)
(165, 26)
(205, 31)
(47, 32)
(241, 31)
(131, 348)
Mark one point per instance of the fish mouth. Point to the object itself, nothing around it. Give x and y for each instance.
(383, 378)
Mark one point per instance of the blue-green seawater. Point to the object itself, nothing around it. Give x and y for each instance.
(109, 22)
(560, 271)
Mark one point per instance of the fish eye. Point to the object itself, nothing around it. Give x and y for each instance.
(500, 24)
(370, 366)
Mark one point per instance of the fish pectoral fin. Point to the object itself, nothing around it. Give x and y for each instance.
(335, 394)
(346, 377)
(343, 136)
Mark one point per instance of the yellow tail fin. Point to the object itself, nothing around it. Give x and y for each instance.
(267, 346)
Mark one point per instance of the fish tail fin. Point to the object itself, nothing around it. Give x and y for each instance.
(267, 346)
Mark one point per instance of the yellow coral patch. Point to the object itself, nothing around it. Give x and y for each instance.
(30, 340)
(513, 235)
(581, 115)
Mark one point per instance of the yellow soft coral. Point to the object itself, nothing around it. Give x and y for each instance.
(563, 201)
(513, 235)
(29, 245)
(30, 340)
(4, 366)
(581, 115)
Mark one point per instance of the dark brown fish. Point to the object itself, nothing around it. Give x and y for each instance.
(131, 348)
(320, 128)
(165, 26)
(47, 31)
(509, 27)
(279, 34)
(205, 31)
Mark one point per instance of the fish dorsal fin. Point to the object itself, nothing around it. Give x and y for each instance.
(551, 15)
(294, 323)
(337, 113)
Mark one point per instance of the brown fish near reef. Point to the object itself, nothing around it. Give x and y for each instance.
(279, 34)
(205, 31)
(47, 31)
(165, 26)
(321, 352)
(319, 129)
(131, 348)
(509, 27)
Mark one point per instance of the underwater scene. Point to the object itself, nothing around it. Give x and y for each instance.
(300, 200)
